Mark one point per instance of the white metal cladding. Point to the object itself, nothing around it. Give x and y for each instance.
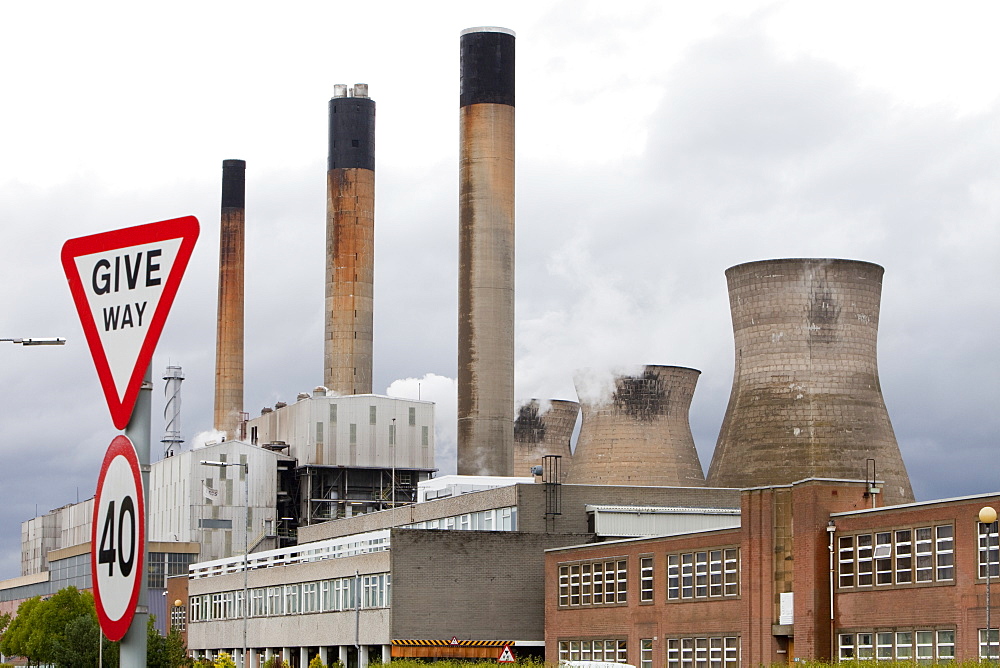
(334, 548)
(624, 521)
(363, 430)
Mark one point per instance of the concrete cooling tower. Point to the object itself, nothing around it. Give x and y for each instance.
(350, 241)
(543, 430)
(486, 254)
(635, 430)
(806, 400)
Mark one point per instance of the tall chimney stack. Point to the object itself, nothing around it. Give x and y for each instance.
(350, 241)
(806, 400)
(229, 337)
(486, 254)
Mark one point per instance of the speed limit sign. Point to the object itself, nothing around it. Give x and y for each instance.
(118, 538)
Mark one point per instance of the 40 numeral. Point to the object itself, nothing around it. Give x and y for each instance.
(110, 555)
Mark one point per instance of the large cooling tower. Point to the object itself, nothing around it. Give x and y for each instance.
(635, 430)
(806, 400)
(543, 430)
(229, 333)
(350, 242)
(486, 254)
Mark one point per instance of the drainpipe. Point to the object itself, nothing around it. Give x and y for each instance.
(831, 528)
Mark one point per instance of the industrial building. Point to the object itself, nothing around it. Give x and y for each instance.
(320, 531)
(403, 582)
(813, 572)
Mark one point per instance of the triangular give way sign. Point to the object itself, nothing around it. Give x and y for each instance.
(123, 283)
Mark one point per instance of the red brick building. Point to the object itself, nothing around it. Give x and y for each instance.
(908, 582)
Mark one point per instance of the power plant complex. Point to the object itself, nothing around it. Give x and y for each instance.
(582, 528)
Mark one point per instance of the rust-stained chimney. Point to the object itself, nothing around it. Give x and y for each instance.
(486, 254)
(350, 242)
(229, 337)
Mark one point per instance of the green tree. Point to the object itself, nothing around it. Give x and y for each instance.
(15, 638)
(176, 650)
(78, 646)
(50, 619)
(156, 646)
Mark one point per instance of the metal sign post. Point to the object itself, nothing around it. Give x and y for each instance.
(133, 646)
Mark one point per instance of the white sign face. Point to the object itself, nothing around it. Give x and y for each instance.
(117, 549)
(123, 289)
(123, 284)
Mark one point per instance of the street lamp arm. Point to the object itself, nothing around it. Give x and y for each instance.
(39, 341)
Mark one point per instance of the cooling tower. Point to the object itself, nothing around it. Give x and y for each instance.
(806, 400)
(543, 430)
(229, 336)
(635, 430)
(350, 242)
(486, 254)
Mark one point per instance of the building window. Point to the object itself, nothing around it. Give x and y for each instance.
(900, 557)
(989, 644)
(413, 416)
(178, 618)
(612, 651)
(923, 549)
(846, 560)
(694, 575)
(257, 606)
(926, 646)
(392, 434)
(372, 413)
(703, 652)
(646, 653)
(864, 560)
(883, 647)
(310, 597)
(353, 434)
(945, 646)
(319, 433)
(424, 436)
(944, 551)
(593, 583)
(904, 556)
(333, 413)
(989, 549)
(646, 579)
(883, 558)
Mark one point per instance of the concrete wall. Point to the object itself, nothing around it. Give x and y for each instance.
(478, 585)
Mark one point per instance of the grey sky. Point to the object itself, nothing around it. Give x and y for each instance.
(658, 144)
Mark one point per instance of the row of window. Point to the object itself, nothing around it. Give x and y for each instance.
(924, 646)
(293, 599)
(690, 575)
(899, 557)
(611, 650)
(693, 652)
(709, 574)
(708, 652)
(593, 583)
(494, 519)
